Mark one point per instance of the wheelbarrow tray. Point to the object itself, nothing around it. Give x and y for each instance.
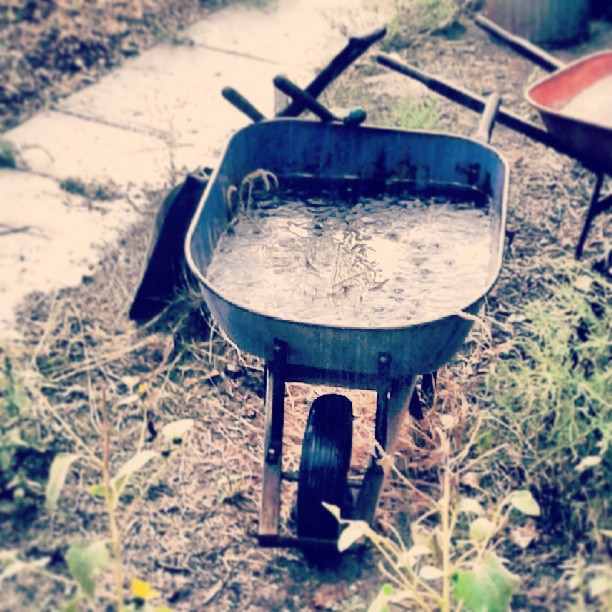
(588, 139)
(290, 147)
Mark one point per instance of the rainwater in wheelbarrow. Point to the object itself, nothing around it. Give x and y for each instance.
(348, 256)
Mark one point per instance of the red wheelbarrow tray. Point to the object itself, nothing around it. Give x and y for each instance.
(590, 141)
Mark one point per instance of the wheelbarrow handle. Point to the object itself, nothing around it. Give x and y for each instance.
(520, 45)
(356, 46)
(487, 121)
(242, 104)
(473, 102)
(304, 98)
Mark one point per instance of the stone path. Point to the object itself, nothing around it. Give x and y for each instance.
(142, 126)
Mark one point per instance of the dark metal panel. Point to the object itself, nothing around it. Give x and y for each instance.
(329, 150)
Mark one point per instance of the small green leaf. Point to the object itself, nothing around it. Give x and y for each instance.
(524, 502)
(414, 552)
(588, 462)
(351, 533)
(419, 550)
(12, 570)
(97, 490)
(470, 506)
(481, 528)
(20, 566)
(57, 477)
(84, 561)
(487, 587)
(178, 429)
(135, 464)
(381, 603)
(333, 509)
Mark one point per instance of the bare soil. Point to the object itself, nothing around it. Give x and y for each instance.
(51, 48)
(193, 537)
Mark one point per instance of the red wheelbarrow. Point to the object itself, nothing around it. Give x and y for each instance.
(574, 102)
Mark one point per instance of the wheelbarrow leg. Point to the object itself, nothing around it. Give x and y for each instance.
(391, 409)
(273, 447)
(596, 207)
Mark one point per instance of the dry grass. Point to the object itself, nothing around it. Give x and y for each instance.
(193, 538)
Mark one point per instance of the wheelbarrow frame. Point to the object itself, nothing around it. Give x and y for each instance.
(384, 359)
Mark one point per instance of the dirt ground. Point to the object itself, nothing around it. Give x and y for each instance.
(51, 48)
(194, 536)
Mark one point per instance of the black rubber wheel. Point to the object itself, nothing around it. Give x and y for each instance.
(324, 466)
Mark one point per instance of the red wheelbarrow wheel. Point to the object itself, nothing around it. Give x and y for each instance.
(324, 466)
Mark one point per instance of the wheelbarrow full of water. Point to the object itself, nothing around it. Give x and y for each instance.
(355, 162)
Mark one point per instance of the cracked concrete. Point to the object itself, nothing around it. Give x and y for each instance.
(158, 113)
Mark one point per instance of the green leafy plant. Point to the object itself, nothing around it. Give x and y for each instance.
(451, 558)
(548, 394)
(410, 19)
(86, 560)
(417, 113)
(434, 15)
(24, 457)
(8, 154)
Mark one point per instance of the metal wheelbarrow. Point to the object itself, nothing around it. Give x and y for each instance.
(387, 360)
(574, 102)
(165, 273)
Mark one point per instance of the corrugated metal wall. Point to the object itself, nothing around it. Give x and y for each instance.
(551, 22)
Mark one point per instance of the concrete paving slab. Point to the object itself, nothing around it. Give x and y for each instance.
(56, 237)
(143, 125)
(301, 35)
(62, 146)
(174, 92)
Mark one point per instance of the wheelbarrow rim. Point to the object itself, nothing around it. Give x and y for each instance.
(549, 110)
(422, 321)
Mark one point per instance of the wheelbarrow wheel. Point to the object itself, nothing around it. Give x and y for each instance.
(324, 466)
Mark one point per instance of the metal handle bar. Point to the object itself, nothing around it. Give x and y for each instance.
(242, 104)
(356, 46)
(520, 45)
(304, 98)
(473, 102)
(487, 121)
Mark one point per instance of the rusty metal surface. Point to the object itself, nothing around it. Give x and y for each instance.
(589, 140)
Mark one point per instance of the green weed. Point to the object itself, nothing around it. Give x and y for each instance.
(417, 113)
(24, 458)
(121, 497)
(433, 15)
(450, 561)
(410, 19)
(8, 154)
(549, 397)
